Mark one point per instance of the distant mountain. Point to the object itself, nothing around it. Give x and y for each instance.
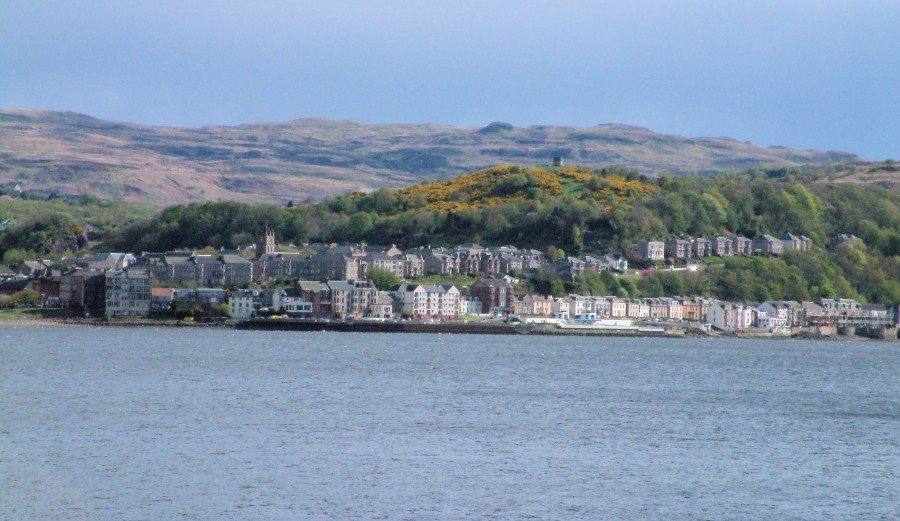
(70, 154)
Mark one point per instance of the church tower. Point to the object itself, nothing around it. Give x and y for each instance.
(270, 241)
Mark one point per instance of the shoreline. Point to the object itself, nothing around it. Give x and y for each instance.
(409, 327)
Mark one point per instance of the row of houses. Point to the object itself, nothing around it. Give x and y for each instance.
(341, 299)
(241, 267)
(780, 315)
(720, 246)
(131, 292)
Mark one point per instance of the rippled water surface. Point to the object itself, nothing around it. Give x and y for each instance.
(215, 424)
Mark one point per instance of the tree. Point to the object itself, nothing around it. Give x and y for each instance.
(557, 288)
(16, 256)
(383, 279)
(359, 226)
(220, 310)
(578, 239)
(554, 253)
(27, 297)
(650, 286)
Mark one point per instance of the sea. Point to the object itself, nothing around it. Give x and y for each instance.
(215, 424)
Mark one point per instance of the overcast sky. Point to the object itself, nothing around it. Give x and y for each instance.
(820, 74)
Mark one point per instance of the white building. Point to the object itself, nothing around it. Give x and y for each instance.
(470, 306)
(244, 303)
(729, 316)
(425, 301)
(296, 306)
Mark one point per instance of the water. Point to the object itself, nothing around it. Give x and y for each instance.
(214, 424)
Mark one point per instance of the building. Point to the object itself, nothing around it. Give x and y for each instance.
(730, 316)
(618, 307)
(678, 249)
(531, 259)
(601, 306)
(391, 263)
(493, 293)
(510, 263)
(208, 270)
(72, 289)
(245, 303)
(7, 274)
(659, 308)
(562, 308)
(741, 246)
(47, 287)
(160, 298)
(778, 314)
(701, 247)
(236, 270)
(105, 261)
(280, 265)
(413, 266)
(617, 263)
(294, 305)
(636, 308)
(469, 306)
(127, 293)
(793, 243)
(538, 305)
(173, 267)
(382, 306)
(428, 301)
(650, 250)
(199, 298)
(721, 246)
(351, 298)
(270, 300)
(767, 245)
(441, 264)
(318, 294)
(694, 309)
(675, 309)
(324, 267)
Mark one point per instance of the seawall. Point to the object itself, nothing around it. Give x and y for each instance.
(378, 327)
(476, 328)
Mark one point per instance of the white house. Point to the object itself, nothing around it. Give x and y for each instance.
(244, 303)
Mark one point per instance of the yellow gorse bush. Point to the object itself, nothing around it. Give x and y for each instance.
(485, 187)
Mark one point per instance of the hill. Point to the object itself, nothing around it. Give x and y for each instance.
(503, 184)
(71, 154)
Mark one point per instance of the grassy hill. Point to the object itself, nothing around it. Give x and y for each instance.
(71, 154)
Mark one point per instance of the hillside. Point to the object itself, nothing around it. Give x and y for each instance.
(70, 154)
(503, 184)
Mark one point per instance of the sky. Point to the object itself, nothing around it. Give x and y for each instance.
(817, 74)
